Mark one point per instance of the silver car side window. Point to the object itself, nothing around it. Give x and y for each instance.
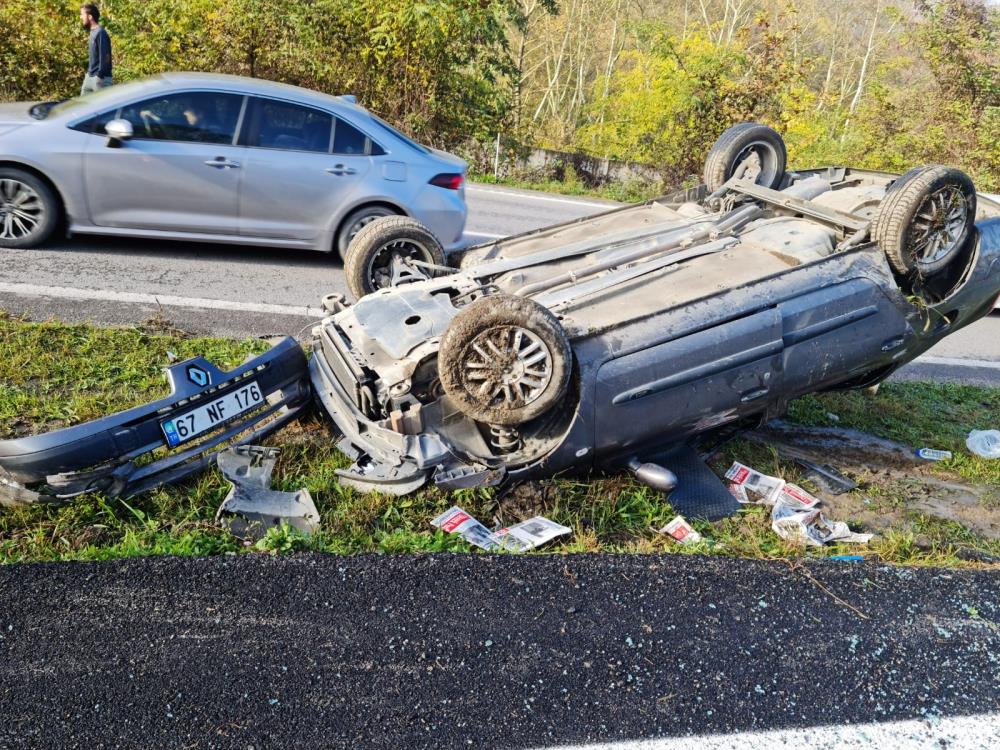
(292, 127)
(192, 116)
(348, 140)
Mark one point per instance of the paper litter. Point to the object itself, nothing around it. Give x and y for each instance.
(682, 531)
(520, 537)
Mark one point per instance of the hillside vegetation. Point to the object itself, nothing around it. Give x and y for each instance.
(866, 82)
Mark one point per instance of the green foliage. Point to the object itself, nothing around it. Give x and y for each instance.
(431, 66)
(670, 99)
(671, 96)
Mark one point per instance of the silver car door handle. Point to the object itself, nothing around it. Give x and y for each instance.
(222, 164)
(340, 169)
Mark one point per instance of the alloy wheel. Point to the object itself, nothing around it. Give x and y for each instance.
(507, 366)
(21, 209)
(939, 225)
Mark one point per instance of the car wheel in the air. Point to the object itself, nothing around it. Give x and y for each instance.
(371, 262)
(504, 360)
(355, 222)
(29, 210)
(755, 150)
(925, 219)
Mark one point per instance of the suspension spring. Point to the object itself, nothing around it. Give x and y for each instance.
(504, 439)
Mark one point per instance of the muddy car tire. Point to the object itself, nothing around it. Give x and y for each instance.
(367, 264)
(505, 360)
(739, 142)
(925, 219)
(29, 209)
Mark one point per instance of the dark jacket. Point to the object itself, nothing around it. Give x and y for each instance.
(100, 53)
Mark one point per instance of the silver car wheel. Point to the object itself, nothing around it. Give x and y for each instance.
(21, 209)
(512, 369)
(363, 222)
(380, 268)
(939, 225)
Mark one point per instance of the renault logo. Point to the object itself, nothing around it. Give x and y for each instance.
(198, 376)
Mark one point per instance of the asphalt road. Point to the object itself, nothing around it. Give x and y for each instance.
(451, 651)
(245, 291)
(49, 281)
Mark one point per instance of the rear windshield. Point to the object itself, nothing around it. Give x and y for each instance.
(408, 141)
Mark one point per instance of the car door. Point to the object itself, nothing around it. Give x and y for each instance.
(838, 332)
(694, 381)
(302, 165)
(180, 172)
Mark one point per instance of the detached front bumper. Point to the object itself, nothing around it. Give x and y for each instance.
(104, 455)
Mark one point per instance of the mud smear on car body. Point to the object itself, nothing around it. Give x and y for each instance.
(893, 484)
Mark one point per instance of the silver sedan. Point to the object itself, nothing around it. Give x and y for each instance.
(217, 158)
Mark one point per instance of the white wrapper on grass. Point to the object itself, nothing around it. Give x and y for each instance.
(984, 443)
(794, 496)
(529, 534)
(457, 521)
(811, 527)
(761, 488)
(517, 538)
(681, 530)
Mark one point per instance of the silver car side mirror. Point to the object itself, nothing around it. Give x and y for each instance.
(118, 131)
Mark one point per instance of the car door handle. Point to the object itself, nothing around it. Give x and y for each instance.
(753, 395)
(340, 169)
(222, 163)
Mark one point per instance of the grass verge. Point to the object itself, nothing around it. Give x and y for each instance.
(53, 374)
(634, 191)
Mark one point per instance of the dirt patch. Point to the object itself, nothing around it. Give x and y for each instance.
(526, 500)
(893, 484)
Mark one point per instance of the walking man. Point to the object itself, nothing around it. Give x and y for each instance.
(99, 67)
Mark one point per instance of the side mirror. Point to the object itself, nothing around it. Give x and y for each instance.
(118, 131)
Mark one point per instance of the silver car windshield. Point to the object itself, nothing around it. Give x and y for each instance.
(94, 99)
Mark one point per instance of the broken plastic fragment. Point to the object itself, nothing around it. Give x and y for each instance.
(252, 507)
(827, 477)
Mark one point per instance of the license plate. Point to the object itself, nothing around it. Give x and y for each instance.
(197, 421)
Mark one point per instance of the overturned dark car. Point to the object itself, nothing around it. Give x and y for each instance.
(591, 344)
(597, 342)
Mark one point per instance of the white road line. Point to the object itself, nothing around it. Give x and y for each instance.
(929, 359)
(531, 196)
(169, 300)
(487, 235)
(955, 733)
(201, 303)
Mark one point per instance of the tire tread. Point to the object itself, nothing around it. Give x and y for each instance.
(375, 234)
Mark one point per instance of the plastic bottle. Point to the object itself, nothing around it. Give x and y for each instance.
(985, 443)
(932, 454)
